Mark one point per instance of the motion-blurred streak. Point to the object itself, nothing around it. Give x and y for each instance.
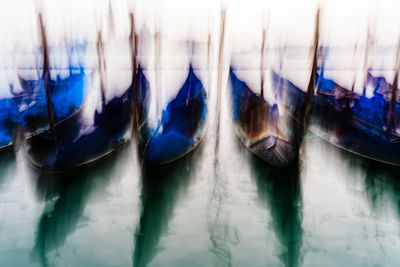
(280, 190)
(161, 189)
(66, 196)
(222, 234)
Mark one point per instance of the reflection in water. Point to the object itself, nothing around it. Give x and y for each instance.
(381, 183)
(350, 209)
(162, 187)
(221, 233)
(66, 196)
(280, 189)
(7, 162)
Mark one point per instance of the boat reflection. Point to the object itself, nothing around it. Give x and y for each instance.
(7, 163)
(381, 185)
(161, 188)
(280, 191)
(66, 196)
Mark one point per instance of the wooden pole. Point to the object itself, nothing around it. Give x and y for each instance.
(366, 54)
(392, 105)
(46, 76)
(134, 87)
(311, 84)
(219, 86)
(262, 67)
(101, 62)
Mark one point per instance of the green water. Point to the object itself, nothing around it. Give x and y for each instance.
(224, 209)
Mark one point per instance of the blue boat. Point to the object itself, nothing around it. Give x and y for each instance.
(258, 125)
(7, 110)
(352, 121)
(182, 126)
(73, 148)
(75, 141)
(67, 95)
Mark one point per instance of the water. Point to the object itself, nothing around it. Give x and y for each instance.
(208, 209)
(335, 209)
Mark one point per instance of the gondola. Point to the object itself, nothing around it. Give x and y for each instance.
(267, 129)
(73, 148)
(28, 108)
(67, 96)
(7, 110)
(182, 126)
(46, 100)
(351, 121)
(258, 125)
(77, 140)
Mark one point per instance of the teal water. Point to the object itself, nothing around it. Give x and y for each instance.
(208, 209)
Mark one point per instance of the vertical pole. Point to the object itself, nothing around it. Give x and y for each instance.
(46, 75)
(157, 67)
(392, 105)
(311, 84)
(367, 46)
(101, 62)
(219, 86)
(134, 87)
(262, 62)
(209, 61)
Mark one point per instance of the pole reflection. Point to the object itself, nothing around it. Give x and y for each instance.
(66, 196)
(280, 190)
(162, 187)
(222, 235)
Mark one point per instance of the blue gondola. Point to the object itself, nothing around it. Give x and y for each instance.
(67, 96)
(258, 127)
(351, 121)
(28, 108)
(74, 148)
(75, 141)
(182, 126)
(7, 109)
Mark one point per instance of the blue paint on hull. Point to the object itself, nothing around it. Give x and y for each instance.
(348, 120)
(181, 125)
(74, 148)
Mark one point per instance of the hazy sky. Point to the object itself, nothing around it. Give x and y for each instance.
(288, 22)
(342, 21)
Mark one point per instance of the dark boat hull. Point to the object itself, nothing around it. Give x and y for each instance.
(258, 127)
(337, 123)
(72, 149)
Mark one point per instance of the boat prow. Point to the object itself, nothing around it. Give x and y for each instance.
(182, 126)
(258, 125)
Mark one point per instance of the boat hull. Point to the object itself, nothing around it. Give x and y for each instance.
(182, 126)
(71, 148)
(336, 122)
(259, 127)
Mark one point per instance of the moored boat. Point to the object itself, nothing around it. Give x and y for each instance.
(267, 128)
(7, 109)
(352, 121)
(258, 125)
(182, 126)
(89, 134)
